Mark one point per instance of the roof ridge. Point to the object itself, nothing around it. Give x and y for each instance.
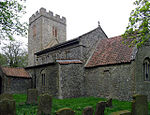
(91, 31)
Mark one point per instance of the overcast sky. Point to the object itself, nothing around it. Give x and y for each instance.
(83, 15)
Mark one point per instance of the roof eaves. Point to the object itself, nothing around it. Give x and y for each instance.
(73, 41)
(41, 65)
(95, 66)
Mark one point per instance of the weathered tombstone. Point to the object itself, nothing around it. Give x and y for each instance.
(124, 112)
(109, 103)
(32, 96)
(45, 104)
(100, 108)
(139, 105)
(88, 111)
(7, 107)
(6, 96)
(65, 111)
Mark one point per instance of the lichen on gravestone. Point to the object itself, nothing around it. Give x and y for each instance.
(32, 96)
(88, 111)
(45, 104)
(65, 111)
(7, 107)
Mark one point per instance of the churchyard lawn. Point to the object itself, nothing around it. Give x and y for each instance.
(77, 104)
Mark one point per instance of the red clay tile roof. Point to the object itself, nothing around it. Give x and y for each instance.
(69, 61)
(16, 72)
(110, 51)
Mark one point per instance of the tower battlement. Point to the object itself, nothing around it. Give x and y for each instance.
(45, 30)
(50, 15)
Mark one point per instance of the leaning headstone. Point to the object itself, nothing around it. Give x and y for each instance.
(109, 103)
(6, 96)
(100, 108)
(32, 96)
(65, 111)
(7, 107)
(88, 111)
(45, 104)
(124, 112)
(139, 105)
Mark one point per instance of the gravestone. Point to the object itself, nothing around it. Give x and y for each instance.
(7, 107)
(109, 103)
(65, 111)
(100, 108)
(88, 111)
(45, 104)
(32, 96)
(139, 105)
(123, 112)
(6, 96)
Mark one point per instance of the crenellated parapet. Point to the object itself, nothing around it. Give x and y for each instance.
(50, 15)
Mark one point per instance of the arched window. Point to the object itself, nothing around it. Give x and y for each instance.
(146, 65)
(54, 31)
(43, 77)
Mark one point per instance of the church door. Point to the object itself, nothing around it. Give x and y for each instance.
(0, 84)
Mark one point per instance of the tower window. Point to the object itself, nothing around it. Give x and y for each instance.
(34, 30)
(146, 65)
(54, 31)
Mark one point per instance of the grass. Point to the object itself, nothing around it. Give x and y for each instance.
(77, 104)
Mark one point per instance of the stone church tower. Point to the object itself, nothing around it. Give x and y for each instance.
(45, 31)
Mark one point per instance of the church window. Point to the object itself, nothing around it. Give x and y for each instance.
(35, 81)
(146, 65)
(43, 75)
(43, 79)
(34, 30)
(54, 31)
(67, 54)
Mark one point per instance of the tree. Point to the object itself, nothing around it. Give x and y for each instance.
(138, 30)
(3, 60)
(10, 13)
(15, 55)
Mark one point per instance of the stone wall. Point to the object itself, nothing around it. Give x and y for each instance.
(115, 81)
(51, 78)
(71, 81)
(90, 40)
(65, 53)
(14, 85)
(142, 85)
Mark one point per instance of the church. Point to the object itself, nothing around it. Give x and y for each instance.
(89, 65)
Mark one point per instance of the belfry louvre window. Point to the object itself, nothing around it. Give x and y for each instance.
(34, 30)
(146, 71)
(54, 31)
